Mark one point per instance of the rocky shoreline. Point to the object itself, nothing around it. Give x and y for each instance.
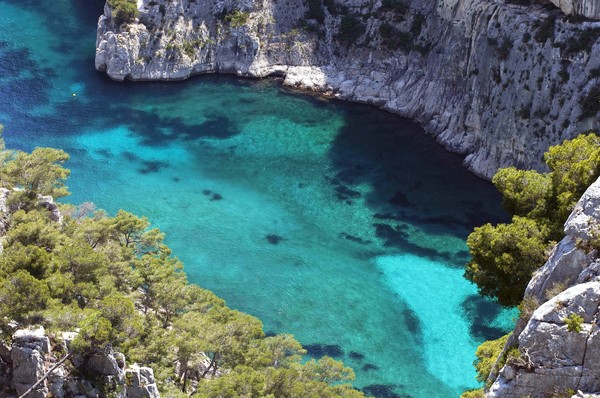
(494, 81)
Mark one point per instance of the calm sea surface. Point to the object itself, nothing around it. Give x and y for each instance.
(339, 223)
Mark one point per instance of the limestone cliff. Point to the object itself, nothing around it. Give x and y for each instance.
(34, 357)
(496, 81)
(585, 8)
(557, 352)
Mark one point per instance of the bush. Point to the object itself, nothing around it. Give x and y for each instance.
(574, 323)
(473, 394)
(237, 18)
(393, 38)
(487, 353)
(124, 10)
(583, 40)
(505, 256)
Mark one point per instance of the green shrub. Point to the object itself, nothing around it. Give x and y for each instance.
(124, 10)
(473, 394)
(504, 49)
(582, 40)
(504, 256)
(487, 353)
(574, 323)
(417, 24)
(393, 38)
(237, 18)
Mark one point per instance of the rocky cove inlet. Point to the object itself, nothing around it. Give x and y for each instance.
(338, 223)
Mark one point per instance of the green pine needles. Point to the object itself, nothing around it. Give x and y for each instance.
(113, 279)
(504, 256)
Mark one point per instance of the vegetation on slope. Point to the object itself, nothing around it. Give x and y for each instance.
(505, 256)
(115, 280)
(124, 10)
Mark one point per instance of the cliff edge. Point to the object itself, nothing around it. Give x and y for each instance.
(497, 81)
(555, 352)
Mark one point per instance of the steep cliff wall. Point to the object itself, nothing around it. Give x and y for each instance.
(495, 81)
(559, 346)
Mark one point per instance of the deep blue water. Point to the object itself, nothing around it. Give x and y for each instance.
(336, 222)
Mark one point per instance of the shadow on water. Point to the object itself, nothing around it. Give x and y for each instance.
(384, 391)
(481, 312)
(401, 186)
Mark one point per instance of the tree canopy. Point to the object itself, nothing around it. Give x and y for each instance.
(503, 257)
(115, 280)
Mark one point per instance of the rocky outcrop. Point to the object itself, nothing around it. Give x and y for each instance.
(99, 374)
(141, 383)
(28, 355)
(559, 346)
(584, 8)
(495, 81)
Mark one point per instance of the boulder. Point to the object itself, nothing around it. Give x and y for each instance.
(140, 382)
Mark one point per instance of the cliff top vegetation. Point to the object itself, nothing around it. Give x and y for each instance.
(115, 281)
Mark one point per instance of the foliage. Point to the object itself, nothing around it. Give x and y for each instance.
(504, 256)
(582, 40)
(525, 192)
(237, 18)
(124, 10)
(115, 280)
(487, 354)
(574, 323)
(473, 394)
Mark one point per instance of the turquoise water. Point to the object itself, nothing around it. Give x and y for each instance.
(339, 223)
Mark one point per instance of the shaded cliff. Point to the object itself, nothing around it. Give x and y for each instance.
(496, 81)
(555, 350)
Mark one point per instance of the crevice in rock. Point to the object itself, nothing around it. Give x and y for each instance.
(585, 347)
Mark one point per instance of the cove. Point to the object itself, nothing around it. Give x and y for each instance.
(336, 222)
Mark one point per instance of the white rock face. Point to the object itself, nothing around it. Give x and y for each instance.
(28, 352)
(30, 357)
(556, 359)
(141, 383)
(585, 8)
(496, 82)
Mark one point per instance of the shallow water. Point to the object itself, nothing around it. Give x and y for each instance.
(336, 222)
